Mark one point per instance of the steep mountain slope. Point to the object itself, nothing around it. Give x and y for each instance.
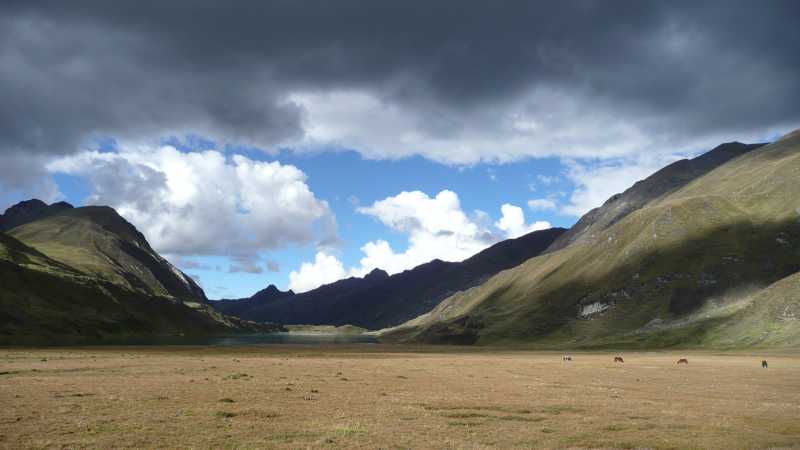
(87, 273)
(700, 266)
(379, 300)
(669, 179)
(98, 241)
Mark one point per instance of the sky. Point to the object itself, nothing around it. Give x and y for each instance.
(296, 143)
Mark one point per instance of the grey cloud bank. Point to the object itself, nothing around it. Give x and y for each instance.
(614, 89)
(461, 81)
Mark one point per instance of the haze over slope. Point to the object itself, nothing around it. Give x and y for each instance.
(379, 300)
(711, 263)
(69, 272)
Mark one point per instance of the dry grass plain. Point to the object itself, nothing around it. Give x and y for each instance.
(375, 396)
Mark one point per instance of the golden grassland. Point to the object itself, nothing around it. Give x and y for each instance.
(383, 396)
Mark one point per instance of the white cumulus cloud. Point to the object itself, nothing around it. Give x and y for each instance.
(436, 228)
(324, 269)
(513, 222)
(205, 203)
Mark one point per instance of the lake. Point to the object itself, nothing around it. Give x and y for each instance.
(307, 338)
(291, 338)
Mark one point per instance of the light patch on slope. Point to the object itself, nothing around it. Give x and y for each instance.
(593, 308)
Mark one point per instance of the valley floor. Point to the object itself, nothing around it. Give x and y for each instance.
(377, 396)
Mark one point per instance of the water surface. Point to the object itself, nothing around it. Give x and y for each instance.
(291, 338)
(307, 338)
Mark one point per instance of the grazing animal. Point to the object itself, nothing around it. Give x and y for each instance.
(683, 361)
(567, 358)
(764, 364)
(618, 359)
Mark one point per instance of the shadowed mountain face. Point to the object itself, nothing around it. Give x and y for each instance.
(239, 307)
(669, 179)
(379, 300)
(28, 211)
(711, 261)
(68, 272)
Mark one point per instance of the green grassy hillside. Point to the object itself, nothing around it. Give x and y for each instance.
(15, 252)
(97, 241)
(86, 274)
(696, 267)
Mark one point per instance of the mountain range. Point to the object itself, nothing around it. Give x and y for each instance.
(379, 300)
(86, 272)
(704, 253)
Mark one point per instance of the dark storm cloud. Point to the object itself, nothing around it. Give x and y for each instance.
(71, 71)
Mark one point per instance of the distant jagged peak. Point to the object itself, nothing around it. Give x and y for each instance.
(376, 274)
(28, 211)
(62, 205)
(271, 292)
(35, 204)
(272, 289)
(31, 204)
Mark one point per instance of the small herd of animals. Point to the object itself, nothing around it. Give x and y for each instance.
(618, 359)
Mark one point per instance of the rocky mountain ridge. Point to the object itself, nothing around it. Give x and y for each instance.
(378, 299)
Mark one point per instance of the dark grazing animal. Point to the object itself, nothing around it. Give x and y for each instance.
(683, 361)
(618, 359)
(764, 364)
(567, 358)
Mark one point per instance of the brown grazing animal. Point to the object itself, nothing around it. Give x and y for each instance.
(683, 361)
(618, 359)
(764, 364)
